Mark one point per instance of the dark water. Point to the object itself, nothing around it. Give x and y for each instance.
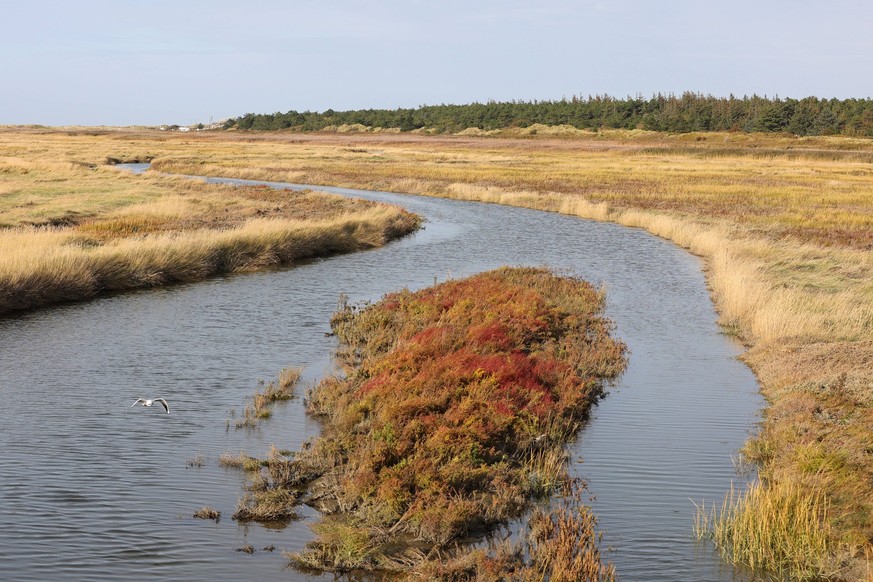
(93, 489)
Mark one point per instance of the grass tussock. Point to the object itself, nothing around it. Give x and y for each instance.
(260, 405)
(777, 528)
(270, 495)
(238, 461)
(454, 413)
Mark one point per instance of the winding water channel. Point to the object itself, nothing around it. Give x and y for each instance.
(93, 489)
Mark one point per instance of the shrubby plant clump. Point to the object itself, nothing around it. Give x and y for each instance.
(452, 418)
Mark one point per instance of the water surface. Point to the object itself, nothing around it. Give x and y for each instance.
(93, 489)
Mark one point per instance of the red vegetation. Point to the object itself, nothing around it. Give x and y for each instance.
(453, 395)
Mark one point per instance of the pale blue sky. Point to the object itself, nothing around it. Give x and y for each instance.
(126, 62)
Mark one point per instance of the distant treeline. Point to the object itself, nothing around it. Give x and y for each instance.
(671, 113)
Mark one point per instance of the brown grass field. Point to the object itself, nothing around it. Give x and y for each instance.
(784, 224)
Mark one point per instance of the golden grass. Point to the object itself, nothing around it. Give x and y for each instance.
(46, 266)
(779, 528)
(74, 229)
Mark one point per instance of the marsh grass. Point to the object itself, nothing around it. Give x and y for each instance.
(70, 228)
(560, 543)
(777, 528)
(239, 461)
(269, 496)
(343, 546)
(260, 405)
(454, 413)
(46, 266)
(784, 224)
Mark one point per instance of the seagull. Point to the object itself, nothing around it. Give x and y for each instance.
(150, 402)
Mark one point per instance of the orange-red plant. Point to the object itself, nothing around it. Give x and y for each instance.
(452, 393)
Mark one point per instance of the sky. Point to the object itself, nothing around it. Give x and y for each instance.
(151, 62)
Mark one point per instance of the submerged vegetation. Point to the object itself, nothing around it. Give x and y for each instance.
(452, 419)
(260, 405)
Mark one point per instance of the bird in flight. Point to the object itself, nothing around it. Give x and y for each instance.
(150, 402)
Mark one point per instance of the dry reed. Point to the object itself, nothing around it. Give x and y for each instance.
(47, 266)
(778, 528)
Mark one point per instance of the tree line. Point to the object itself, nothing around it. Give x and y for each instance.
(669, 113)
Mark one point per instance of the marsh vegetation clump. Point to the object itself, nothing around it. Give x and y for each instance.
(260, 405)
(452, 416)
(272, 490)
(777, 528)
(238, 461)
(560, 543)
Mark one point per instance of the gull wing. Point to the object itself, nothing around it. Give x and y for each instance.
(164, 403)
(137, 402)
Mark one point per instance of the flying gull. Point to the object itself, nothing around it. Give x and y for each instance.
(150, 402)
